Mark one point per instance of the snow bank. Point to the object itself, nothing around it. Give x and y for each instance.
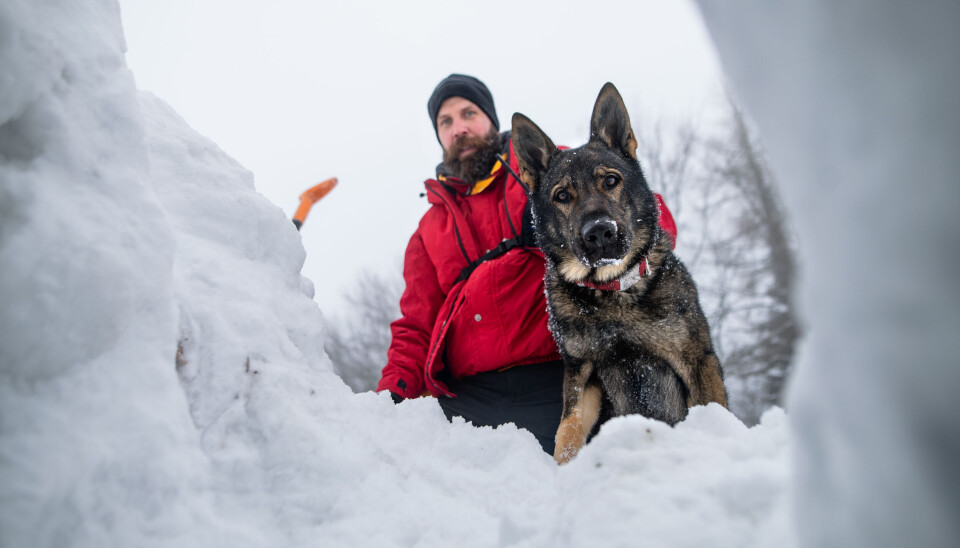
(163, 383)
(96, 443)
(857, 102)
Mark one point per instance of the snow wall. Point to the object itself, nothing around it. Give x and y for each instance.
(163, 382)
(857, 104)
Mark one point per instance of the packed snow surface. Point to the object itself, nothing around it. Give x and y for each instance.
(163, 380)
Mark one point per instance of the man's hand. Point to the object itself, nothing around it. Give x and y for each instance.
(396, 396)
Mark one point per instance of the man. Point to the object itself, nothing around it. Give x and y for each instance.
(473, 330)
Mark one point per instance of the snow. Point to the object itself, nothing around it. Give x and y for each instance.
(125, 236)
(857, 106)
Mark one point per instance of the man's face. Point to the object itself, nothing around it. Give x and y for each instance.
(470, 142)
(459, 118)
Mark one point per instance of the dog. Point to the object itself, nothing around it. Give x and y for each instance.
(623, 309)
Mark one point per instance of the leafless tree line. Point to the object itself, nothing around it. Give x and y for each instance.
(357, 343)
(733, 236)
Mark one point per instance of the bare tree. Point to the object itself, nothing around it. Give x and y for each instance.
(357, 343)
(768, 267)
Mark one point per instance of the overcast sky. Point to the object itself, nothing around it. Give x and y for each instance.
(300, 91)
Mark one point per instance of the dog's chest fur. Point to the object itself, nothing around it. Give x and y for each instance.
(589, 323)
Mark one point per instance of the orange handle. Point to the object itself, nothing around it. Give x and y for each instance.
(311, 196)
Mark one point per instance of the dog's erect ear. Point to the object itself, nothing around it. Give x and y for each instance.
(533, 149)
(611, 123)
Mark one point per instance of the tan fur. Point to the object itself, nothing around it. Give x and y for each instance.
(600, 173)
(614, 271)
(712, 383)
(632, 146)
(581, 408)
(528, 180)
(573, 270)
(575, 427)
(631, 143)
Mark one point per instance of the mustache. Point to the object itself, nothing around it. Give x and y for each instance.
(468, 141)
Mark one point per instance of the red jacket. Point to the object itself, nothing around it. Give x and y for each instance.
(496, 318)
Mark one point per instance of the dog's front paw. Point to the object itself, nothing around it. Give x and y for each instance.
(569, 441)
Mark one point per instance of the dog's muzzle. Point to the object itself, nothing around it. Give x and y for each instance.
(602, 241)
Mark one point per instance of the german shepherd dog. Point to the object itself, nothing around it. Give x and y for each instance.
(641, 348)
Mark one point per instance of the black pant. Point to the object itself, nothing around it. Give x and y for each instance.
(529, 396)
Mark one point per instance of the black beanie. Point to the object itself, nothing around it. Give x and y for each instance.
(468, 87)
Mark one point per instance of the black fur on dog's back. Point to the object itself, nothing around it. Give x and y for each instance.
(646, 349)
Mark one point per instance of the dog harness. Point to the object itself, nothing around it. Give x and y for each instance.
(524, 238)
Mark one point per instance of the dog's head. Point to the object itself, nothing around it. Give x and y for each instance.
(594, 214)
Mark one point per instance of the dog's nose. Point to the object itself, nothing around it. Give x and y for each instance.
(599, 233)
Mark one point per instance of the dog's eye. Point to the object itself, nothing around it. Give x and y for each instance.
(562, 197)
(610, 181)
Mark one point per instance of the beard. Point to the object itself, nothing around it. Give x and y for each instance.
(476, 166)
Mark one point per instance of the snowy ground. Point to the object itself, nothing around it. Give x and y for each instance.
(164, 383)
